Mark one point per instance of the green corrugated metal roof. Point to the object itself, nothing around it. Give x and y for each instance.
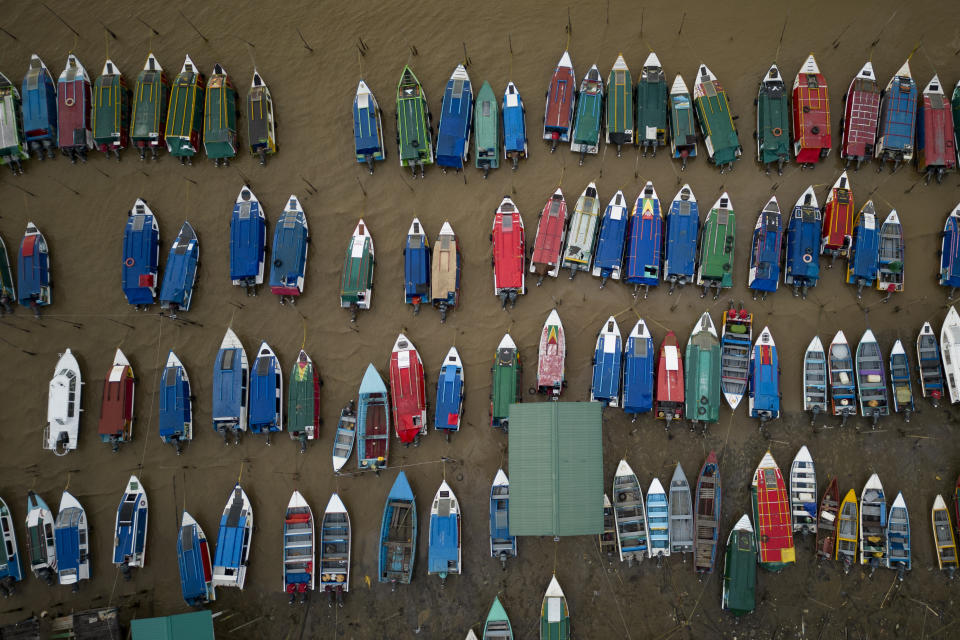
(556, 469)
(196, 625)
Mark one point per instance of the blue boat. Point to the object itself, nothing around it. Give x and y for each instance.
(864, 254)
(801, 266)
(645, 242)
(928, 364)
(608, 259)
(398, 534)
(141, 255)
(367, 127)
(514, 126)
(897, 536)
(456, 116)
(416, 266)
(503, 545)
(39, 94)
(765, 253)
(299, 575)
(605, 387)
(230, 375)
(11, 572)
(898, 119)
(176, 404)
(373, 422)
(680, 243)
(266, 393)
(41, 543)
(639, 357)
(248, 241)
(764, 395)
(443, 550)
(950, 252)
(658, 521)
(73, 542)
(233, 541)
(450, 393)
(180, 272)
(130, 528)
(193, 556)
(33, 270)
(291, 239)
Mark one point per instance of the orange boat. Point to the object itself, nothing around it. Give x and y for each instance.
(408, 399)
(116, 411)
(838, 220)
(668, 399)
(771, 513)
(811, 115)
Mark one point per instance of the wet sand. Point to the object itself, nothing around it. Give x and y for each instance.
(82, 209)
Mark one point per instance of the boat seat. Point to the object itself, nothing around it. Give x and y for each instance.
(502, 546)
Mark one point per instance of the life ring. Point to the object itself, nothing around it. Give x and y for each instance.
(726, 266)
(277, 262)
(776, 131)
(701, 410)
(704, 400)
(68, 102)
(129, 262)
(807, 258)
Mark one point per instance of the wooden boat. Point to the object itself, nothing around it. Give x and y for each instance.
(607, 363)
(291, 241)
(561, 99)
(398, 534)
(110, 112)
(507, 380)
(898, 537)
(863, 262)
(486, 127)
(873, 524)
(185, 113)
(890, 255)
(266, 393)
(552, 355)
(848, 529)
(763, 400)
(335, 544)
(900, 381)
(644, 242)
(608, 260)
(582, 237)
(503, 545)
(414, 124)
(589, 112)
(74, 132)
(220, 118)
(416, 266)
(298, 548)
(41, 542)
(262, 124)
(680, 242)
(407, 393)
(175, 421)
(344, 437)
(843, 393)
(450, 392)
(950, 252)
(706, 519)
(8, 288)
(248, 241)
(936, 140)
(148, 118)
(116, 408)
(180, 271)
(658, 522)
(130, 528)
(871, 381)
(717, 242)
(803, 493)
(456, 117)
(681, 532)
(13, 145)
(64, 406)
(702, 382)
(554, 614)
(233, 541)
(231, 373)
(356, 279)
(443, 549)
(716, 121)
(33, 271)
(497, 625)
(620, 104)
(368, 140)
(766, 249)
(815, 379)
(303, 401)
(811, 115)
(861, 115)
(39, 95)
(928, 364)
(548, 244)
(838, 220)
(608, 537)
(736, 347)
(773, 121)
(445, 271)
(193, 556)
(652, 112)
(771, 512)
(943, 537)
(10, 570)
(630, 518)
(514, 126)
(740, 569)
(827, 522)
(801, 264)
(509, 253)
(668, 403)
(72, 538)
(683, 127)
(141, 255)
(898, 117)
(950, 352)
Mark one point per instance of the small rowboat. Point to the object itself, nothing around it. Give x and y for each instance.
(890, 256)
(414, 128)
(456, 118)
(231, 373)
(486, 128)
(861, 115)
(291, 240)
(586, 128)
(629, 515)
(74, 132)
(838, 220)
(898, 537)
(514, 126)
(303, 401)
(450, 392)
(185, 113)
(605, 384)
(64, 406)
(848, 529)
(652, 117)
(716, 121)
(345, 436)
(871, 380)
(298, 548)
(950, 353)
(683, 127)
(706, 521)
(771, 512)
(943, 537)
(582, 236)
(398, 534)
(220, 118)
(261, 122)
(561, 99)
(763, 400)
(928, 364)
(110, 113)
(266, 393)
(801, 264)
(444, 546)
(803, 493)
(548, 244)
(149, 109)
(873, 524)
(815, 380)
(736, 346)
(41, 550)
(554, 614)
(407, 393)
(33, 271)
(552, 356)
(141, 255)
(862, 265)
(416, 266)
(638, 368)
(73, 542)
(950, 252)
(608, 260)
(717, 242)
(608, 537)
(644, 242)
(668, 403)
(503, 545)
(681, 514)
(368, 141)
(843, 393)
(827, 522)
(175, 421)
(658, 522)
(766, 249)
(740, 569)
(234, 539)
(445, 271)
(39, 109)
(373, 422)
(680, 242)
(335, 544)
(898, 119)
(507, 380)
(13, 145)
(193, 556)
(116, 409)
(180, 271)
(130, 529)
(248, 241)
(811, 115)
(497, 625)
(702, 388)
(509, 253)
(900, 381)
(773, 121)
(620, 104)
(356, 279)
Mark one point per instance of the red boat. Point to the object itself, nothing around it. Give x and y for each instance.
(74, 94)
(407, 396)
(548, 246)
(116, 410)
(668, 399)
(861, 114)
(553, 352)
(936, 146)
(771, 514)
(811, 115)
(561, 98)
(509, 249)
(838, 219)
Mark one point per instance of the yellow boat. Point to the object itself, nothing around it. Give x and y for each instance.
(848, 533)
(943, 537)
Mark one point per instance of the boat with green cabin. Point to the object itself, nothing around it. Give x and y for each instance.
(716, 121)
(740, 569)
(185, 113)
(701, 369)
(507, 378)
(110, 111)
(356, 281)
(414, 128)
(220, 118)
(586, 128)
(486, 129)
(619, 105)
(149, 108)
(716, 248)
(773, 121)
(303, 401)
(652, 107)
(554, 613)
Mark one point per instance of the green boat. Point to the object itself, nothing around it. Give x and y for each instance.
(110, 111)
(716, 248)
(414, 128)
(8, 291)
(356, 281)
(586, 129)
(701, 370)
(507, 378)
(486, 128)
(220, 118)
(652, 107)
(303, 401)
(261, 126)
(12, 149)
(554, 614)
(497, 626)
(773, 121)
(185, 113)
(619, 105)
(149, 108)
(740, 569)
(716, 123)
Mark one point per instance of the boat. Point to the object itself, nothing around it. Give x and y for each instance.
(262, 124)
(652, 117)
(407, 394)
(11, 571)
(398, 534)
(503, 545)
(843, 394)
(873, 524)
(74, 132)
(638, 369)
(589, 112)
(898, 118)
(41, 542)
(943, 537)
(620, 105)
(766, 250)
(803, 493)
(838, 220)
(871, 381)
(230, 379)
(8, 289)
(514, 126)
(33, 271)
(936, 141)
(416, 266)
(248, 241)
(299, 541)
(683, 127)
(116, 407)
(39, 95)
(773, 121)
(630, 518)
(815, 379)
(443, 550)
(955, 103)
(193, 556)
(130, 529)
(898, 537)
(554, 613)
(827, 522)
(702, 382)
(736, 349)
(706, 516)
(497, 625)
(680, 242)
(148, 108)
(900, 381)
(507, 380)
(291, 241)
(356, 279)
(344, 437)
(890, 255)
(644, 242)
(681, 532)
(185, 113)
(266, 393)
(801, 264)
(811, 115)
(717, 242)
(335, 543)
(456, 116)
(552, 354)
(110, 112)
(950, 352)
(716, 121)
(764, 391)
(950, 251)
(848, 530)
(509, 253)
(668, 401)
(582, 235)
(180, 271)
(64, 406)
(771, 512)
(740, 569)
(486, 127)
(368, 140)
(607, 361)
(445, 271)
(561, 99)
(658, 522)
(175, 421)
(861, 115)
(928, 365)
(548, 244)
(450, 391)
(141, 255)
(73, 542)
(608, 537)
(608, 259)
(414, 124)
(863, 262)
(233, 541)
(303, 401)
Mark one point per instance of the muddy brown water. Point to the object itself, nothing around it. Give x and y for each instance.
(82, 209)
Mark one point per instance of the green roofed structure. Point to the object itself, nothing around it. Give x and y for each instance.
(196, 625)
(556, 469)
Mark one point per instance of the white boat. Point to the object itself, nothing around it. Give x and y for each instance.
(873, 523)
(233, 541)
(950, 352)
(63, 406)
(815, 379)
(803, 493)
(41, 542)
(298, 548)
(335, 543)
(73, 542)
(630, 516)
(681, 531)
